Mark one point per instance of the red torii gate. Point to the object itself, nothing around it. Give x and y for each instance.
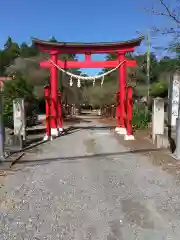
(57, 48)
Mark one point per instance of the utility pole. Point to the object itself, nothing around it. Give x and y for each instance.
(148, 45)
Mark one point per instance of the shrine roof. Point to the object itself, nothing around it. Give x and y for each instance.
(74, 44)
(87, 46)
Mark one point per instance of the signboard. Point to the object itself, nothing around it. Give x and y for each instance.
(19, 117)
(174, 94)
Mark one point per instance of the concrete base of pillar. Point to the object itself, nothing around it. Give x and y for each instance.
(129, 137)
(48, 138)
(122, 131)
(54, 132)
(117, 129)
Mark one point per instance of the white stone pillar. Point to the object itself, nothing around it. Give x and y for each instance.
(173, 97)
(157, 118)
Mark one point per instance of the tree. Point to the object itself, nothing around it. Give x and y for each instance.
(24, 50)
(8, 43)
(28, 64)
(159, 89)
(10, 52)
(53, 39)
(170, 10)
(100, 96)
(17, 88)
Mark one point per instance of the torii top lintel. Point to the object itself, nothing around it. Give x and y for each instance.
(91, 48)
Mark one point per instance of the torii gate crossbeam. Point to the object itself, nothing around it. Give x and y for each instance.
(87, 64)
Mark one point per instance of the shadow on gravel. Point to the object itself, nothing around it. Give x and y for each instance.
(78, 158)
(90, 127)
(73, 129)
(75, 120)
(36, 131)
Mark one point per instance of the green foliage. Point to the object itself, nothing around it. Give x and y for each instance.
(141, 116)
(138, 76)
(99, 96)
(11, 51)
(140, 90)
(159, 89)
(17, 88)
(28, 51)
(25, 58)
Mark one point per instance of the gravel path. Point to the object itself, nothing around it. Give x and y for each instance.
(85, 185)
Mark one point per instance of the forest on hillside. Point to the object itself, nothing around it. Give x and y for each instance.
(21, 62)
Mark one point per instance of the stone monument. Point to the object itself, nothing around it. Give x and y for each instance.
(157, 118)
(19, 122)
(173, 99)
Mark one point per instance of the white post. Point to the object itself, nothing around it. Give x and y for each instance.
(174, 92)
(176, 99)
(157, 118)
(19, 119)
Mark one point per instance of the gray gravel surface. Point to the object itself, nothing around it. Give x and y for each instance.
(85, 185)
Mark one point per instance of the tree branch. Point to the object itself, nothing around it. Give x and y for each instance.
(168, 13)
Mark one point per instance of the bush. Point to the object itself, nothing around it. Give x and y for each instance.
(141, 116)
(18, 88)
(159, 89)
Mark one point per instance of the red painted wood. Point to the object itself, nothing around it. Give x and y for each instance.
(48, 114)
(87, 57)
(122, 84)
(88, 64)
(60, 121)
(91, 50)
(54, 52)
(129, 110)
(118, 109)
(54, 81)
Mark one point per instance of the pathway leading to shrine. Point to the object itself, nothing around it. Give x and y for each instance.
(85, 185)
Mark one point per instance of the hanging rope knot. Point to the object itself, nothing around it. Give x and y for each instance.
(102, 81)
(79, 83)
(71, 81)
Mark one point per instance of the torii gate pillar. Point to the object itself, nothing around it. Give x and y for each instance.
(122, 88)
(54, 92)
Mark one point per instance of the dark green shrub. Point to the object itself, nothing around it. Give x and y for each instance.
(159, 89)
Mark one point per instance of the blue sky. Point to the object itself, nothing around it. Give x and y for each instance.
(70, 20)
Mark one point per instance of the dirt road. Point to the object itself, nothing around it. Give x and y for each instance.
(85, 185)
